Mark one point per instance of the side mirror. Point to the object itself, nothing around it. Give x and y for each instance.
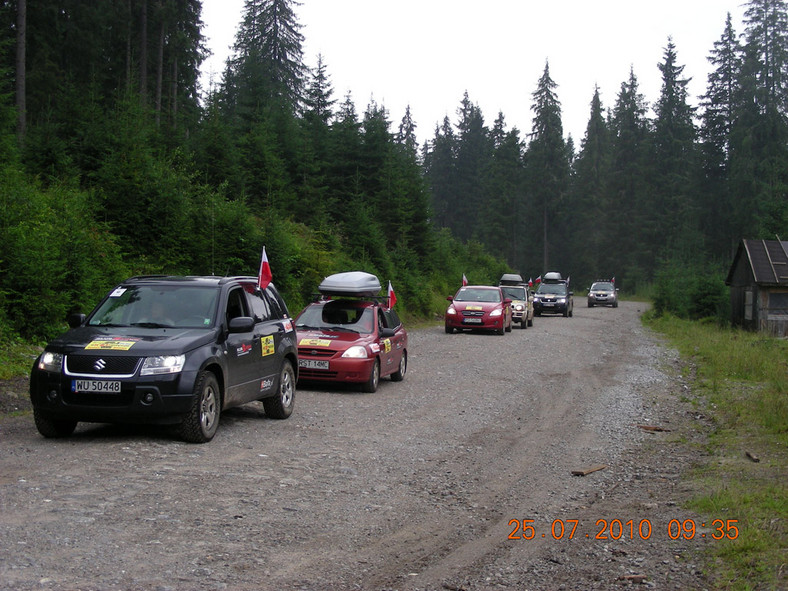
(450, 298)
(76, 320)
(387, 333)
(571, 293)
(507, 302)
(242, 324)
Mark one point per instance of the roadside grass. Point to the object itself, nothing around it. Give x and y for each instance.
(741, 381)
(16, 357)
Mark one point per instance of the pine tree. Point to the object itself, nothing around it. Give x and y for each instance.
(719, 104)
(547, 164)
(674, 207)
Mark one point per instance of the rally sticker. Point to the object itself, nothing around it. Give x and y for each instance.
(118, 292)
(474, 308)
(288, 326)
(314, 343)
(267, 344)
(111, 344)
(387, 344)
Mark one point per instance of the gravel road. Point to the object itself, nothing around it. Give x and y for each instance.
(419, 486)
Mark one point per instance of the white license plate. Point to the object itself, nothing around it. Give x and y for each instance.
(111, 386)
(472, 321)
(548, 304)
(312, 364)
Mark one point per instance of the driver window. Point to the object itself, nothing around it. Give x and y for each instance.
(236, 306)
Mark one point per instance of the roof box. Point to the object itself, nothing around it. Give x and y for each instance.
(552, 277)
(511, 279)
(351, 283)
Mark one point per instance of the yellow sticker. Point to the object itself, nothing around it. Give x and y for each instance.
(314, 343)
(267, 344)
(110, 345)
(387, 344)
(474, 308)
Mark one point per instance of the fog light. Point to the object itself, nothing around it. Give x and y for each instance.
(52, 396)
(147, 398)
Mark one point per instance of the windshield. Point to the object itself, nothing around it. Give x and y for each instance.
(157, 306)
(552, 288)
(338, 315)
(476, 294)
(514, 292)
(602, 286)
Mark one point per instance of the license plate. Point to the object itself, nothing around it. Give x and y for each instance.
(312, 364)
(472, 321)
(548, 304)
(111, 386)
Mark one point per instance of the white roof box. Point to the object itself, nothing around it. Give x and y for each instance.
(552, 277)
(511, 279)
(351, 283)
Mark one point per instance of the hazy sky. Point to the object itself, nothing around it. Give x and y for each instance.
(427, 53)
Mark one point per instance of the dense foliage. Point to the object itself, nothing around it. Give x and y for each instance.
(113, 163)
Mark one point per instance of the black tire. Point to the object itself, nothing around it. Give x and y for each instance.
(590, 304)
(371, 385)
(281, 405)
(201, 422)
(53, 428)
(449, 330)
(531, 321)
(399, 375)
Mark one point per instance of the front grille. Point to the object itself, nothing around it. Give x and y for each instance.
(315, 374)
(88, 365)
(473, 313)
(125, 398)
(309, 353)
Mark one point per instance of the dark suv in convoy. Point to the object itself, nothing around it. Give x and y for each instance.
(169, 350)
(553, 296)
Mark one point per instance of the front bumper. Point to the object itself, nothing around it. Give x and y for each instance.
(550, 307)
(163, 399)
(339, 370)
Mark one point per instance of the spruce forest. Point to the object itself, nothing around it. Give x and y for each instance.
(114, 162)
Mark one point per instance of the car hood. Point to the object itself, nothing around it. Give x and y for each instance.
(339, 340)
(131, 340)
(477, 306)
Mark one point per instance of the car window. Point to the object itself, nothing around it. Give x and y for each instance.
(236, 305)
(157, 306)
(260, 307)
(337, 315)
(392, 319)
(478, 295)
(602, 286)
(552, 288)
(514, 293)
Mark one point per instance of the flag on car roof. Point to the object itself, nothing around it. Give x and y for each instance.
(530, 282)
(539, 279)
(613, 280)
(392, 297)
(264, 275)
(464, 280)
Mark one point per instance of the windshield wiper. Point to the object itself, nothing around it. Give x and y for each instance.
(151, 325)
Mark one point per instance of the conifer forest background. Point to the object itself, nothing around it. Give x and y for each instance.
(114, 162)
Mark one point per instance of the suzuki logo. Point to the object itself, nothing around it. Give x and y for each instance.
(99, 365)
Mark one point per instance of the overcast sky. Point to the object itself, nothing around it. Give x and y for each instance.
(427, 53)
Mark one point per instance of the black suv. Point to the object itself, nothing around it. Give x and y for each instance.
(169, 350)
(553, 296)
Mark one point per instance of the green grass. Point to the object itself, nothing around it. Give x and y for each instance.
(16, 358)
(742, 383)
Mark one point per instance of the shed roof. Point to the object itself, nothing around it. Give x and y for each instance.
(768, 260)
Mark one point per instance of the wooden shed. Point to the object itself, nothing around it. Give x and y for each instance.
(758, 279)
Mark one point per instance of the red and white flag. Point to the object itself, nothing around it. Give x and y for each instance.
(464, 280)
(539, 279)
(530, 282)
(392, 297)
(264, 275)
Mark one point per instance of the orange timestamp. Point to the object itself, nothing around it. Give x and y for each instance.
(617, 529)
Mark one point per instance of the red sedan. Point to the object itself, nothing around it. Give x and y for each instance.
(352, 341)
(479, 307)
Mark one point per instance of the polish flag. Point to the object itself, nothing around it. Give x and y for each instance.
(464, 280)
(530, 282)
(539, 279)
(264, 276)
(392, 297)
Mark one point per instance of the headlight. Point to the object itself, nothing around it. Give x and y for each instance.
(537, 299)
(519, 307)
(356, 352)
(496, 312)
(561, 300)
(50, 361)
(162, 364)
(451, 310)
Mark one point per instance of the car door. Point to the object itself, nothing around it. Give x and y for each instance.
(392, 345)
(242, 351)
(269, 332)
